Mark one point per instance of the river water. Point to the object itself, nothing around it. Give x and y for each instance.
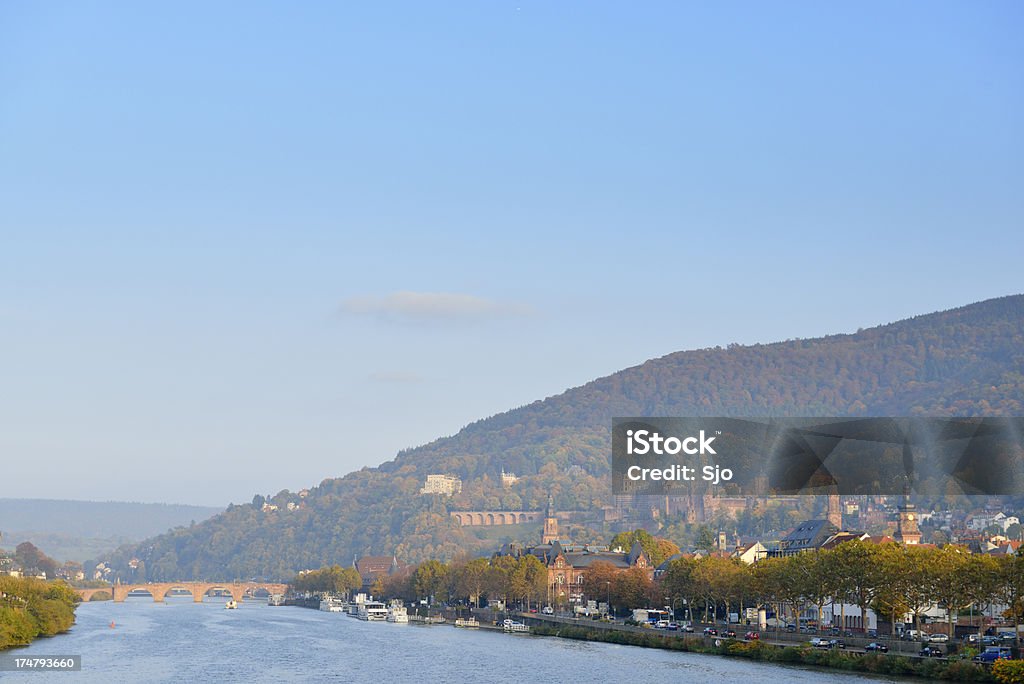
(181, 641)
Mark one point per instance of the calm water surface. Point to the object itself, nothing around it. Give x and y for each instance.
(182, 641)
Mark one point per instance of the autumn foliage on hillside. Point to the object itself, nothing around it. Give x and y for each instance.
(967, 361)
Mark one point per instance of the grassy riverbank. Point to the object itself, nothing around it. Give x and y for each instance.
(956, 670)
(30, 608)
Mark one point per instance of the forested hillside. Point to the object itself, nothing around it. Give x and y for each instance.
(78, 530)
(966, 361)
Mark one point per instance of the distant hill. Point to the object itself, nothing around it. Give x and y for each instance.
(79, 530)
(965, 361)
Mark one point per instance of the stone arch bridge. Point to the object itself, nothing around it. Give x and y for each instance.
(199, 590)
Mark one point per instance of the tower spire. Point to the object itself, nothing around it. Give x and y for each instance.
(550, 523)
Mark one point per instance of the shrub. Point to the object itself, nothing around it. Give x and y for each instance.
(1008, 671)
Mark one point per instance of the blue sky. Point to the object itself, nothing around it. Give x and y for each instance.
(247, 246)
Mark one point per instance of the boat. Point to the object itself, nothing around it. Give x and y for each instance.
(434, 619)
(330, 605)
(515, 627)
(231, 605)
(372, 610)
(352, 608)
(468, 623)
(275, 600)
(397, 613)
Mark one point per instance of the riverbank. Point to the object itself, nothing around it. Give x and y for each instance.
(955, 670)
(30, 608)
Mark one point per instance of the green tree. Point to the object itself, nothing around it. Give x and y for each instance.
(430, 581)
(859, 574)
(658, 550)
(471, 579)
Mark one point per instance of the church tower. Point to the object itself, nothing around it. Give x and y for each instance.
(907, 531)
(550, 523)
(835, 509)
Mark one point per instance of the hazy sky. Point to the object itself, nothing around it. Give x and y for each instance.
(247, 246)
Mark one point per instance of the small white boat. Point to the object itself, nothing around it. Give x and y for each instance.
(434, 619)
(330, 605)
(515, 627)
(231, 605)
(275, 600)
(398, 613)
(468, 623)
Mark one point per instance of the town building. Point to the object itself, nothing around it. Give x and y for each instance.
(372, 568)
(447, 485)
(809, 535)
(568, 564)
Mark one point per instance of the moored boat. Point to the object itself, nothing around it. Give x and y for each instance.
(330, 605)
(515, 627)
(398, 613)
(372, 610)
(468, 623)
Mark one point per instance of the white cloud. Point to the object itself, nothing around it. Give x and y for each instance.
(429, 306)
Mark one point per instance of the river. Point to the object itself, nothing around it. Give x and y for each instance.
(181, 641)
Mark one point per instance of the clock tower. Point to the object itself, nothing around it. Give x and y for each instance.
(907, 531)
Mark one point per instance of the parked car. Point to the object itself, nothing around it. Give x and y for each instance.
(872, 633)
(752, 636)
(819, 643)
(931, 652)
(876, 647)
(1006, 637)
(938, 638)
(971, 638)
(992, 654)
(710, 631)
(790, 628)
(548, 610)
(836, 643)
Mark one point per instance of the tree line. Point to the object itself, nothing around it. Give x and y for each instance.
(890, 579)
(31, 607)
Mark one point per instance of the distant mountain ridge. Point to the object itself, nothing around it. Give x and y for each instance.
(75, 530)
(965, 361)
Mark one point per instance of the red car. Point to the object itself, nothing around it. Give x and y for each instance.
(752, 636)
